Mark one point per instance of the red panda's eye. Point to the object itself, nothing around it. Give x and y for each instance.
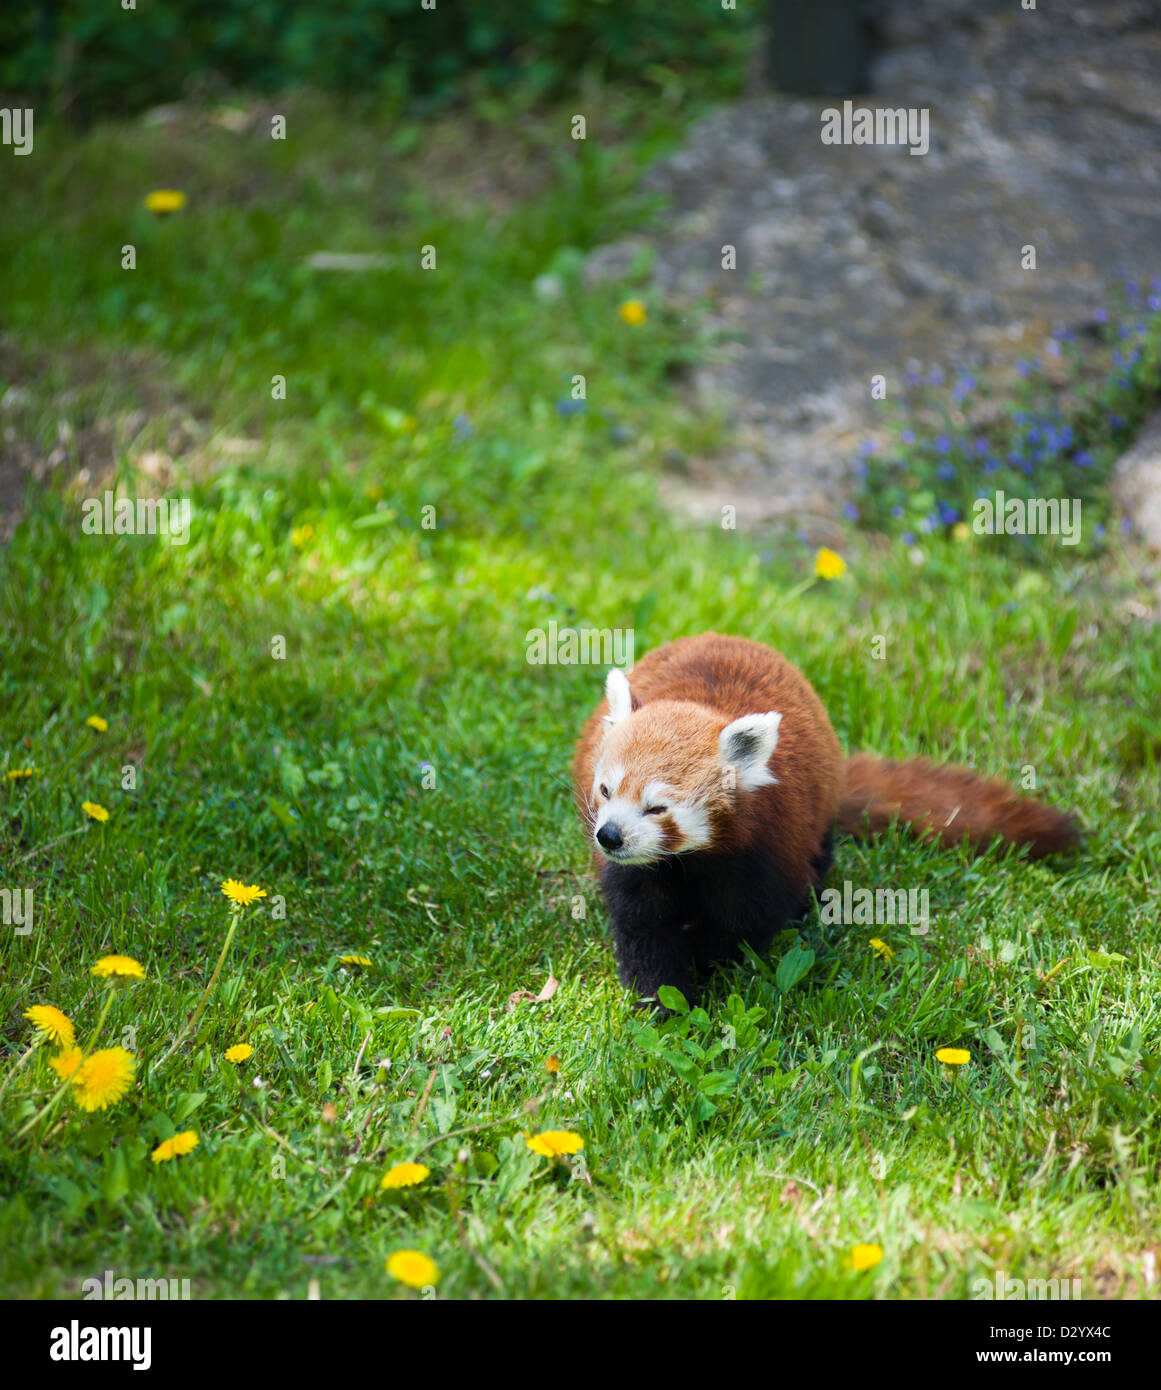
(604, 791)
(655, 810)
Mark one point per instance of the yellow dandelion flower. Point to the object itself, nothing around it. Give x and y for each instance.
(118, 967)
(961, 531)
(163, 200)
(239, 1052)
(17, 774)
(66, 1062)
(412, 1268)
(182, 1143)
(954, 1056)
(554, 1142)
(94, 810)
(55, 1025)
(829, 565)
(633, 312)
(95, 721)
(241, 893)
(553, 1064)
(362, 961)
(103, 1078)
(880, 948)
(405, 1175)
(866, 1256)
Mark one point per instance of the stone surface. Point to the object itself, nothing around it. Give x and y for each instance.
(1045, 130)
(1137, 483)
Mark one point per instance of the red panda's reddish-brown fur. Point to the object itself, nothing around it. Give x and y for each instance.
(949, 804)
(773, 840)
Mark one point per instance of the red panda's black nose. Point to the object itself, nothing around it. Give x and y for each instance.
(609, 837)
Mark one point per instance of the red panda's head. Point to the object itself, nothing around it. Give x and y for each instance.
(666, 771)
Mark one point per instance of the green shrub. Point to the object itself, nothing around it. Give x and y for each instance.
(105, 60)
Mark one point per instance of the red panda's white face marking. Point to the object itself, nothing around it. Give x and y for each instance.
(665, 770)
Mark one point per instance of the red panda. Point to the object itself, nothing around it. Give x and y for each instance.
(712, 785)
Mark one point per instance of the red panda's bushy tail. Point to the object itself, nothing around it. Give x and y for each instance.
(949, 804)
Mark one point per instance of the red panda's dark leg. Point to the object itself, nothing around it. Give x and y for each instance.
(672, 921)
(651, 926)
(820, 865)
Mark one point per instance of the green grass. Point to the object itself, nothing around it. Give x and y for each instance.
(754, 1167)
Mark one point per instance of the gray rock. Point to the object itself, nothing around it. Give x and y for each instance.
(856, 261)
(1137, 483)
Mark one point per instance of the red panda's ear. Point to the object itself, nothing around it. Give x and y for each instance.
(622, 701)
(746, 746)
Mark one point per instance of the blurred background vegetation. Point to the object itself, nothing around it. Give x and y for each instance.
(104, 61)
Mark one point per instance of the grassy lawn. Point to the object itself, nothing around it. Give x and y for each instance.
(326, 693)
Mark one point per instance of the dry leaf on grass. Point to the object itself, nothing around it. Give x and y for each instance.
(525, 996)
